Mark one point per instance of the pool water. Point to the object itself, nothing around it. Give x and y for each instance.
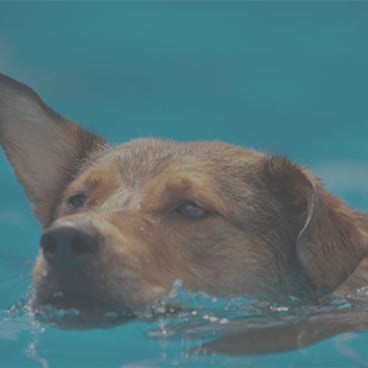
(183, 339)
(288, 77)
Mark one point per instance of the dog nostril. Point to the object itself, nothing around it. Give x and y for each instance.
(50, 246)
(81, 247)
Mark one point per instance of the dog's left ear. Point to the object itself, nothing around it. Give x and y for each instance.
(45, 149)
(330, 243)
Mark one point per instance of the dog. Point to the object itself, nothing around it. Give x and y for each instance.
(122, 223)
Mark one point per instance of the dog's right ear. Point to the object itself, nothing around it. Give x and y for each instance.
(45, 149)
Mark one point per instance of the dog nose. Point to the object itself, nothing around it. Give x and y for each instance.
(68, 243)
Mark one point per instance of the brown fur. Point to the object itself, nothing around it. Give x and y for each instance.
(269, 227)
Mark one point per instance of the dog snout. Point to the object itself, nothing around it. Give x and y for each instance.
(67, 244)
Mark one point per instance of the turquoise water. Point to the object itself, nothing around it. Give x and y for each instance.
(290, 78)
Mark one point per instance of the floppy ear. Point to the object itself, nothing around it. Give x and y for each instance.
(45, 149)
(330, 243)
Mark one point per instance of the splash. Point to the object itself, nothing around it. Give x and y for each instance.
(32, 348)
(19, 319)
(197, 316)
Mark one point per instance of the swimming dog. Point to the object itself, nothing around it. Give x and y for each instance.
(122, 223)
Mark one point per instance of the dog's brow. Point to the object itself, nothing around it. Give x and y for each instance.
(136, 167)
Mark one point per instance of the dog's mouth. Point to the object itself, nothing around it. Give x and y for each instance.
(72, 310)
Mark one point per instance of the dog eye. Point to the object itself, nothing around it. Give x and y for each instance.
(77, 200)
(192, 210)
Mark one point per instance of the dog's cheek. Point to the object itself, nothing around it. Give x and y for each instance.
(226, 260)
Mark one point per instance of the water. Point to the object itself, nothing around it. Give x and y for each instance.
(183, 339)
(285, 77)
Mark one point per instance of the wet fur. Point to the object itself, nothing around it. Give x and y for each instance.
(271, 230)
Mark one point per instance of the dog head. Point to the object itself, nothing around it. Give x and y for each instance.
(122, 223)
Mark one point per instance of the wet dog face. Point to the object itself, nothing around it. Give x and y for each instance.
(122, 223)
(146, 213)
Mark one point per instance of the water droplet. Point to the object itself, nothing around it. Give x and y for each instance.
(58, 294)
(111, 314)
(279, 308)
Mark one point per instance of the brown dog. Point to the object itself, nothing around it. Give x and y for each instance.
(122, 223)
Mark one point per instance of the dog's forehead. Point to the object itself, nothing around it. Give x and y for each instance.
(147, 157)
(151, 168)
(154, 151)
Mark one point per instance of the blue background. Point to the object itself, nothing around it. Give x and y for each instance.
(284, 77)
